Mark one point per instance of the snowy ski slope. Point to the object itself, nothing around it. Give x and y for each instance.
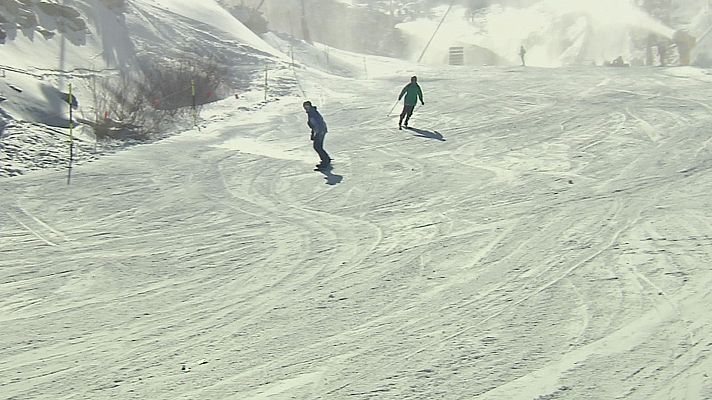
(541, 234)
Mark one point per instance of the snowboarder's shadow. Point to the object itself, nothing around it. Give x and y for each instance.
(427, 134)
(331, 179)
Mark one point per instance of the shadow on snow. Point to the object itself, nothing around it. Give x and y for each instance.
(427, 134)
(331, 179)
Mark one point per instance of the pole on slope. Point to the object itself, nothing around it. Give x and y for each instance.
(71, 134)
(194, 104)
(436, 31)
(305, 30)
(393, 108)
(266, 84)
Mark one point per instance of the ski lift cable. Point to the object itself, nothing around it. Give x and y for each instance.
(436, 30)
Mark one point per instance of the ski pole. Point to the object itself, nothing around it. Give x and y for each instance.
(393, 108)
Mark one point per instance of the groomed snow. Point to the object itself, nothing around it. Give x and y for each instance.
(540, 234)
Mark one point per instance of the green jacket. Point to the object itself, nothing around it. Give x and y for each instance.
(412, 92)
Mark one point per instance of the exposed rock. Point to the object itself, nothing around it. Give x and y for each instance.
(75, 25)
(46, 33)
(115, 4)
(58, 10)
(12, 6)
(26, 19)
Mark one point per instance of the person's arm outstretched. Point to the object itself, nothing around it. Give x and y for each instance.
(405, 89)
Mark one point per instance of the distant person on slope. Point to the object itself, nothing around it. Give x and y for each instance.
(318, 133)
(522, 53)
(412, 93)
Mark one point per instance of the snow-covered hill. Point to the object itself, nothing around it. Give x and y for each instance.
(535, 236)
(49, 46)
(538, 234)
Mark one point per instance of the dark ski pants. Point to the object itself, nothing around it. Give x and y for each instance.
(407, 112)
(319, 147)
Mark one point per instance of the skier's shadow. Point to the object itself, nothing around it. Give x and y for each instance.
(427, 134)
(331, 179)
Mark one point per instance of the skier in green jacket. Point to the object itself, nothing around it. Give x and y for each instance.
(411, 92)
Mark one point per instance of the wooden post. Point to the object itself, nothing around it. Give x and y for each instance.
(70, 101)
(305, 28)
(195, 104)
(266, 69)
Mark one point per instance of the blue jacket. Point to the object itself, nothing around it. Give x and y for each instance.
(316, 121)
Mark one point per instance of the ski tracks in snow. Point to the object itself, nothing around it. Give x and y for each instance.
(551, 246)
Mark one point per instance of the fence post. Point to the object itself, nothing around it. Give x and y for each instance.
(71, 134)
(195, 113)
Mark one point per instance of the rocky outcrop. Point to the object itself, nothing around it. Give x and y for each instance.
(43, 17)
(116, 5)
(58, 10)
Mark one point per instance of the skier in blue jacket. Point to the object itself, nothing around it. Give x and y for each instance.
(318, 133)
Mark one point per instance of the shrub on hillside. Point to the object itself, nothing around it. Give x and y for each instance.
(166, 94)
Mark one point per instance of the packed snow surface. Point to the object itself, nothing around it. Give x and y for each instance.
(536, 235)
